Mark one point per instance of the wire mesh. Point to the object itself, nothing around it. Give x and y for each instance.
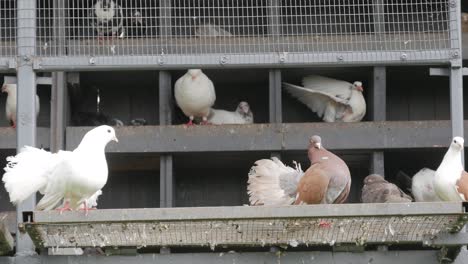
(242, 27)
(7, 28)
(245, 232)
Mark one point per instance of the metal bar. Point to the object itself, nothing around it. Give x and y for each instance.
(378, 95)
(58, 111)
(165, 17)
(171, 61)
(445, 72)
(380, 257)
(274, 11)
(59, 25)
(26, 101)
(456, 102)
(252, 212)
(275, 96)
(276, 137)
(165, 118)
(8, 137)
(379, 16)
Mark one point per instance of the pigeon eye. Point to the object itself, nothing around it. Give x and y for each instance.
(108, 130)
(454, 141)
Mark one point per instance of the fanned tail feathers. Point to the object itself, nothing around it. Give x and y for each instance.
(264, 186)
(26, 173)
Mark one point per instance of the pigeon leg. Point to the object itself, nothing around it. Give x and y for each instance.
(66, 207)
(190, 122)
(205, 121)
(86, 208)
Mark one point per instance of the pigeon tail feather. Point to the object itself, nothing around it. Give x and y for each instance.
(26, 173)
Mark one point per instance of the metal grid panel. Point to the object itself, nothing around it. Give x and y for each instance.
(250, 232)
(186, 32)
(7, 28)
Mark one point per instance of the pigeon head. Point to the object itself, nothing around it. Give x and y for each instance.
(194, 73)
(7, 88)
(137, 18)
(373, 178)
(316, 142)
(243, 108)
(106, 3)
(98, 137)
(457, 143)
(358, 86)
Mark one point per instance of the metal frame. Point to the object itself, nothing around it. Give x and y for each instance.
(381, 257)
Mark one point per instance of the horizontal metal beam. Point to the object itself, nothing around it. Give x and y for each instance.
(445, 71)
(275, 137)
(8, 137)
(380, 257)
(255, 60)
(39, 80)
(251, 212)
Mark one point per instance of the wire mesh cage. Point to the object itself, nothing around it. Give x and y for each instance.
(7, 28)
(184, 28)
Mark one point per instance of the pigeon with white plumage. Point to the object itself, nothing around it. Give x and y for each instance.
(331, 99)
(107, 18)
(68, 177)
(195, 95)
(10, 106)
(242, 115)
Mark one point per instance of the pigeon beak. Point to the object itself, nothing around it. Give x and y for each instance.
(115, 139)
(318, 145)
(359, 88)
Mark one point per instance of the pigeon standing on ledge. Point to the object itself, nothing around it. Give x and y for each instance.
(332, 100)
(451, 180)
(195, 95)
(242, 115)
(377, 190)
(72, 176)
(10, 106)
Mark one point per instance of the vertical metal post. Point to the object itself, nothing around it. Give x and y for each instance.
(378, 95)
(58, 111)
(456, 101)
(26, 103)
(165, 118)
(274, 11)
(165, 17)
(59, 25)
(379, 18)
(275, 106)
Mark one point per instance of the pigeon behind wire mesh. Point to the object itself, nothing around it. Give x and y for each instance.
(107, 18)
(332, 100)
(72, 176)
(242, 115)
(210, 30)
(135, 24)
(10, 106)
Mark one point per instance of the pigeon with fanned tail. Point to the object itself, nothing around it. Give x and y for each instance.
(273, 183)
(242, 115)
(195, 95)
(422, 186)
(10, 106)
(377, 190)
(69, 176)
(332, 100)
(451, 180)
(327, 180)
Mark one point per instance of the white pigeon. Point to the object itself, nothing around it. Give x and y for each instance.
(210, 30)
(422, 186)
(73, 176)
(332, 100)
(195, 95)
(107, 18)
(451, 180)
(10, 106)
(273, 183)
(242, 115)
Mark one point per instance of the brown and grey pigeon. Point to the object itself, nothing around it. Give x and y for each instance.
(377, 190)
(451, 180)
(328, 180)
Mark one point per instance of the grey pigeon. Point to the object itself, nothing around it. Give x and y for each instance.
(377, 190)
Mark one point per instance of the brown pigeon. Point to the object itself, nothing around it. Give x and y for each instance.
(327, 180)
(377, 190)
